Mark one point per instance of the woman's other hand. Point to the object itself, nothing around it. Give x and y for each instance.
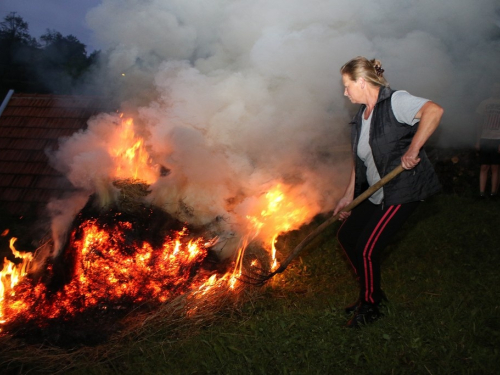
(343, 202)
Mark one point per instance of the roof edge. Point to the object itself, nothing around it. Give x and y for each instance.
(6, 101)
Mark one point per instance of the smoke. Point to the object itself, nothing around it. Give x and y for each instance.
(234, 96)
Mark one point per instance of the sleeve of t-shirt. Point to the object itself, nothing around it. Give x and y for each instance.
(406, 106)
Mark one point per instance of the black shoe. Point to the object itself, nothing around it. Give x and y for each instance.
(354, 307)
(366, 313)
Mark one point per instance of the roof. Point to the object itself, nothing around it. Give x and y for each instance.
(31, 124)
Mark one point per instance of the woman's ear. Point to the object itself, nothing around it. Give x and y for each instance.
(362, 82)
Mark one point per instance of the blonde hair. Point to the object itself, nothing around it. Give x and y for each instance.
(370, 70)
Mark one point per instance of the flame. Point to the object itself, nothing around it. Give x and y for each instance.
(11, 274)
(280, 212)
(108, 271)
(285, 213)
(130, 154)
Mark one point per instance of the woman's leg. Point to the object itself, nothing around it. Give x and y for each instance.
(381, 226)
(483, 178)
(376, 235)
(349, 232)
(494, 179)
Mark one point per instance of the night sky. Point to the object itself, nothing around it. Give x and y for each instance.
(65, 16)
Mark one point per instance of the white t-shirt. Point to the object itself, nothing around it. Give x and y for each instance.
(405, 107)
(490, 109)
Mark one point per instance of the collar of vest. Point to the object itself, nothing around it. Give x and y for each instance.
(383, 94)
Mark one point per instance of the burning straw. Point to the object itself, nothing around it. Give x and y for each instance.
(173, 321)
(77, 314)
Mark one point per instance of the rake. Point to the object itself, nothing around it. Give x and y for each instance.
(260, 278)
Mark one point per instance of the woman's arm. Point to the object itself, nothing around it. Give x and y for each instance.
(347, 198)
(430, 115)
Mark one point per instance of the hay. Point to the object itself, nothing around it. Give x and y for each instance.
(171, 322)
(131, 194)
(164, 324)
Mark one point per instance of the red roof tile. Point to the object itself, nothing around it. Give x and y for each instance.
(6, 180)
(21, 181)
(21, 207)
(23, 155)
(11, 195)
(31, 124)
(26, 144)
(52, 182)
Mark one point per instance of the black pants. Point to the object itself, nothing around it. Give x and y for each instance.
(364, 234)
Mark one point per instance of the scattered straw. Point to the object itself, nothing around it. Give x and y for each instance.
(171, 322)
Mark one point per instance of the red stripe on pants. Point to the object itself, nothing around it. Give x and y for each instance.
(368, 250)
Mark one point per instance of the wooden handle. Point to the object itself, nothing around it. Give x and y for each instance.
(360, 198)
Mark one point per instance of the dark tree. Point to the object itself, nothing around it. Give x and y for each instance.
(15, 30)
(57, 64)
(18, 51)
(64, 60)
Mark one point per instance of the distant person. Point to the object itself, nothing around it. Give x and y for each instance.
(390, 129)
(488, 142)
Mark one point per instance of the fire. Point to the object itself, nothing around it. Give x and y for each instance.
(109, 271)
(285, 215)
(131, 155)
(106, 265)
(277, 213)
(111, 268)
(11, 274)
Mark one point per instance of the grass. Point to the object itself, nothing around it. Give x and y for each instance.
(440, 275)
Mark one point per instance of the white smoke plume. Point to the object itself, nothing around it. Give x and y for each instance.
(236, 95)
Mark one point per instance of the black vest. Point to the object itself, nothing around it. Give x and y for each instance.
(389, 139)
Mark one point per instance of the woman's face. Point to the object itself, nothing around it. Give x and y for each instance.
(352, 89)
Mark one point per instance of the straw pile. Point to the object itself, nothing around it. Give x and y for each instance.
(165, 324)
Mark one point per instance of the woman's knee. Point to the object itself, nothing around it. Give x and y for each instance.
(345, 238)
(485, 167)
(341, 237)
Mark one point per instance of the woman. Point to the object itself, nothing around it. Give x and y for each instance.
(390, 128)
(488, 142)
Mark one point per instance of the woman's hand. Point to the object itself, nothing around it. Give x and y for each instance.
(343, 202)
(347, 198)
(410, 159)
